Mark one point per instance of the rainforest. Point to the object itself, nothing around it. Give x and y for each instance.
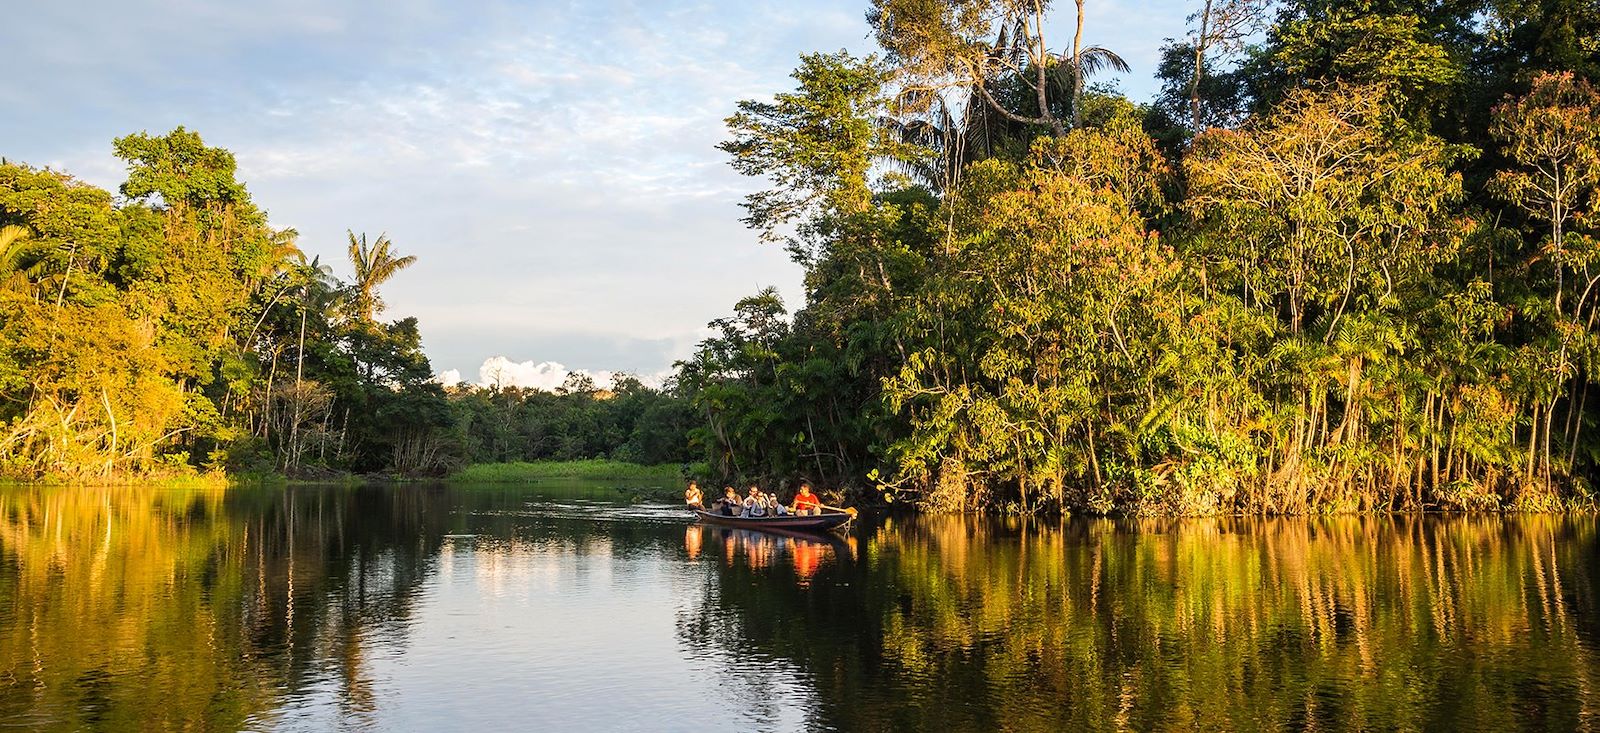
(1345, 261)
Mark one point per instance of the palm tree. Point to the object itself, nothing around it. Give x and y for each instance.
(374, 265)
(15, 249)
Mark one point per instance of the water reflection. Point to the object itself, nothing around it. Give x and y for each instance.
(428, 608)
(1348, 623)
(135, 608)
(803, 552)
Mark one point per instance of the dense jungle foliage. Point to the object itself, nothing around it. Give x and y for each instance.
(1345, 261)
(171, 329)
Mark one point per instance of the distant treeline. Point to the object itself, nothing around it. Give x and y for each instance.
(1348, 259)
(171, 329)
(628, 422)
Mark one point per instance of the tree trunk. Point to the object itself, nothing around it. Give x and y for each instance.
(1077, 69)
(1577, 428)
(1199, 66)
(299, 394)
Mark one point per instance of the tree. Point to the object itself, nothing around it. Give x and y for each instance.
(817, 145)
(1322, 203)
(196, 246)
(1046, 305)
(312, 279)
(374, 264)
(1552, 137)
(1220, 27)
(1086, 62)
(946, 44)
(1223, 96)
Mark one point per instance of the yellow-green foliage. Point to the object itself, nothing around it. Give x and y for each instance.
(176, 330)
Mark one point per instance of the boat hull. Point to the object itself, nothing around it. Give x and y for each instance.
(809, 523)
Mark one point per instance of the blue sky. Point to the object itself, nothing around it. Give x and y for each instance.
(551, 164)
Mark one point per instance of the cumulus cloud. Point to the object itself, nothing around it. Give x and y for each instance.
(499, 371)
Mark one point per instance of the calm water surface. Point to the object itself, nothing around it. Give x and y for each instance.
(565, 607)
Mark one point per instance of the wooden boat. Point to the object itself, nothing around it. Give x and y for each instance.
(809, 523)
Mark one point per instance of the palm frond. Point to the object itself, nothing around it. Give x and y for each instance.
(20, 259)
(374, 264)
(1095, 59)
(14, 247)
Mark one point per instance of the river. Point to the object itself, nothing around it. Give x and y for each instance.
(573, 607)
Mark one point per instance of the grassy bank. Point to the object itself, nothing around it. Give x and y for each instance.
(591, 469)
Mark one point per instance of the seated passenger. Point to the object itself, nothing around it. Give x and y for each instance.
(754, 504)
(805, 502)
(729, 504)
(775, 508)
(692, 497)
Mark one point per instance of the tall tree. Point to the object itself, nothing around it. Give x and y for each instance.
(1317, 204)
(1552, 137)
(375, 264)
(1220, 27)
(989, 48)
(817, 145)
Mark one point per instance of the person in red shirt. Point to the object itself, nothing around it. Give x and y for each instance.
(805, 502)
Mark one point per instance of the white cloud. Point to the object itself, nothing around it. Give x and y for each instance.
(498, 371)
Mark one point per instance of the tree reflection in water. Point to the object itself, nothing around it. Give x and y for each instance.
(152, 610)
(955, 623)
(137, 608)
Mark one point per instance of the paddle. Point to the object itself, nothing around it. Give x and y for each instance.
(847, 510)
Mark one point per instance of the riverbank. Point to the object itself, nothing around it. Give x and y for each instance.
(664, 482)
(665, 474)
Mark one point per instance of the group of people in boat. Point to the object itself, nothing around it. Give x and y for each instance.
(756, 503)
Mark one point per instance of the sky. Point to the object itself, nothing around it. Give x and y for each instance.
(551, 164)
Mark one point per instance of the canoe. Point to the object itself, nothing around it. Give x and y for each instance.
(810, 523)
